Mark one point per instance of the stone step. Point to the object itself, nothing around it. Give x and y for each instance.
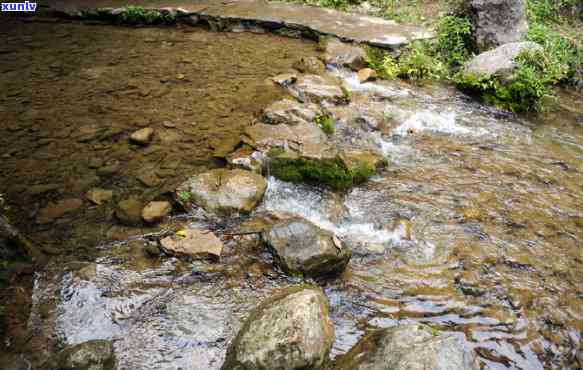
(284, 18)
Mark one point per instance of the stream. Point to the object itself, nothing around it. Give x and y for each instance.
(475, 227)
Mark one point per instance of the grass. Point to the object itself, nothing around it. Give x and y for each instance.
(134, 15)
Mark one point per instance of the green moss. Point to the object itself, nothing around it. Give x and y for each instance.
(331, 173)
(326, 123)
(184, 196)
(139, 15)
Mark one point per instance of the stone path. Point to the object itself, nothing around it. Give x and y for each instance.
(285, 18)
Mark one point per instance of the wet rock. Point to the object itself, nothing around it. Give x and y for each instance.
(149, 179)
(302, 140)
(366, 74)
(88, 133)
(88, 272)
(195, 243)
(301, 247)
(285, 79)
(247, 158)
(317, 89)
(109, 169)
(498, 22)
(143, 136)
(99, 196)
(499, 61)
(129, 212)
(288, 331)
(223, 191)
(57, 210)
(289, 112)
(310, 65)
(412, 346)
(91, 355)
(156, 211)
(345, 54)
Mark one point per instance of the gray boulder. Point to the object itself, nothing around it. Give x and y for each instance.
(223, 191)
(288, 331)
(408, 347)
(499, 61)
(289, 112)
(301, 247)
(91, 355)
(498, 22)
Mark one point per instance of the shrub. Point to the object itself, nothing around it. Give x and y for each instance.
(419, 62)
(454, 39)
(137, 15)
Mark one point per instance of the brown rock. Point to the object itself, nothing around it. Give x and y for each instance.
(56, 210)
(194, 243)
(156, 211)
(129, 212)
(99, 196)
(143, 136)
(366, 74)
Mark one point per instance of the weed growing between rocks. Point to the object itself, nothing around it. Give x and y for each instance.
(326, 123)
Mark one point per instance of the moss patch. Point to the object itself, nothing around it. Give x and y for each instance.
(331, 173)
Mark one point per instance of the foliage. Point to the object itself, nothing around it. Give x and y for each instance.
(419, 62)
(139, 15)
(564, 60)
(326, 123)
(184, 196)
(331, 173)
(454, 39)
(555, 10)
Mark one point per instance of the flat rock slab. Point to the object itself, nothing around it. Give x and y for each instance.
(303, 19)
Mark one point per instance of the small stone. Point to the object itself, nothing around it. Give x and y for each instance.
(99, 196)
(366, 74)
(129, 212)
(156, 211)
(143, 136)
(108, 170)
(195, 243)
(56, 210)
(285, 79)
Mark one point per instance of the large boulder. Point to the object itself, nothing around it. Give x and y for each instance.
(498, 22)
(91, 355)
(302, 248)
(407, 347)
(223, 191)
(499, 61)
(288, 331)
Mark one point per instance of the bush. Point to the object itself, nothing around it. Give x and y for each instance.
(139, 15)
(564, 60)
(555, 10)
(454, 40)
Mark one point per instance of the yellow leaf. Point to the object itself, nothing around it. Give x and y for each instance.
(181, 233)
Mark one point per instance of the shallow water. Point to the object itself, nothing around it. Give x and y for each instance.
(475, 228)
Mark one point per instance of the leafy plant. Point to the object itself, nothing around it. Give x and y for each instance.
(137, 14)
(326, 123)
(184, 196)
(454, 40)
(420, 63)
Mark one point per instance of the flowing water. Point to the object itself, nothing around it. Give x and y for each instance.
(475, 228)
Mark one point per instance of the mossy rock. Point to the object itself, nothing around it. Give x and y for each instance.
(331, 173)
